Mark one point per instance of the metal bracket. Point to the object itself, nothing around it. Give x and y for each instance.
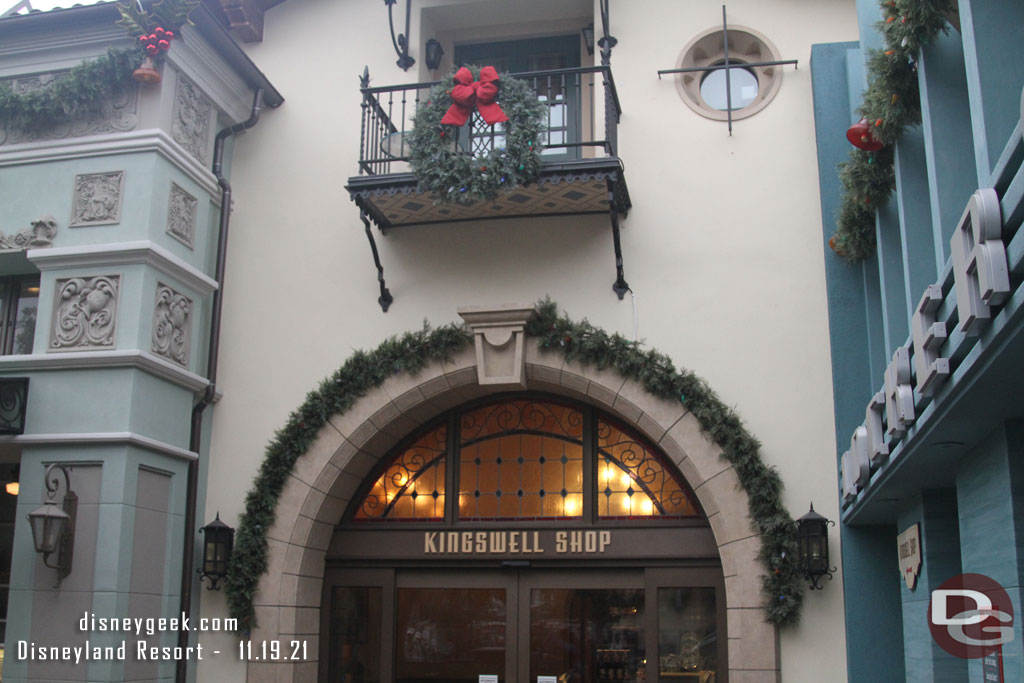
(385, 299)
(620, 286)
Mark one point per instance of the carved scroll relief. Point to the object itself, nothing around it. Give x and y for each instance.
(172, 325)
(85, 313)
(97, 199)
(181, 216)
(41, 234)
(191, 124)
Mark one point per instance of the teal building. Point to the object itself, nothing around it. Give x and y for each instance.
(928, 341)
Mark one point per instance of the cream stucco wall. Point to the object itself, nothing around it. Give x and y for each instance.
(722, 248)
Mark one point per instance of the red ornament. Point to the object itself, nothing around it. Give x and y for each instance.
(878, 123)
(163, 45)
(143, 40)
(890, 20)
(169, 35)
(861, 137)
(159, 32)
(469, 94)
(152, 49)
(153, 38)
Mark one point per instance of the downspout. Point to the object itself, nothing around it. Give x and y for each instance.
(196, 432)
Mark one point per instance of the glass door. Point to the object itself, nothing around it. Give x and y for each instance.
(573, 625)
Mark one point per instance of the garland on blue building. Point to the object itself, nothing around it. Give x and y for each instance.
(782, 586)
(891, 104)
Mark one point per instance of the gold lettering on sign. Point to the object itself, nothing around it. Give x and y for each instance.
(517, 542)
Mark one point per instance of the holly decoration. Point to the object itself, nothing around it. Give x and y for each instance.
(157, 27)
(442, 162)
(891, 103)
(156, 42)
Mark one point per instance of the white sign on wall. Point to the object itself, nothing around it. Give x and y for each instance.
(909, 543)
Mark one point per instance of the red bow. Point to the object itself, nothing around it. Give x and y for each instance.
(468, 93)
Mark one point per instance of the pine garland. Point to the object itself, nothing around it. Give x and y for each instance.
(891, 104)
(782, 586)
(463, 178)
(79, 92)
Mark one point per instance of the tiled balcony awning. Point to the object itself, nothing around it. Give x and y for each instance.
(569, 188)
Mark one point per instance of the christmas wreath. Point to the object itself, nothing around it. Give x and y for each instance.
(441, 156)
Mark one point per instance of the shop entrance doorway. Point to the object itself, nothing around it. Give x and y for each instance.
(521, 623)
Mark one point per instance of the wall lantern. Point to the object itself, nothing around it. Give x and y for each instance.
(588, 37)
(861, 137)
(812, 537)
(216, 552)
(433, 54)
(401, 42)
(53, 527)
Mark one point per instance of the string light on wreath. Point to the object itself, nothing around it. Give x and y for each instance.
(463, 171)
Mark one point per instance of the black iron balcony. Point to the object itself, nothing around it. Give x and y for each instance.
(581, 172)
(13, 399)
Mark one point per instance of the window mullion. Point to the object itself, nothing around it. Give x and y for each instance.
(451, 474)
(589, 466)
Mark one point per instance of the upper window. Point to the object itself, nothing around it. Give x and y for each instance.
(750, 88)
(527, 459)
(19, 303)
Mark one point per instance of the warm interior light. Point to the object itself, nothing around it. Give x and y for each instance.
(648, 507)
(625, 479)
(32, 290)
(12, 488)
(572, 506)
(625, 503)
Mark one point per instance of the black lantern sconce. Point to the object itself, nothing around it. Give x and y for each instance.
(433, 54)
(812, 537)
(401, 42)
(216, 552)
(588, 38)
(53, 527)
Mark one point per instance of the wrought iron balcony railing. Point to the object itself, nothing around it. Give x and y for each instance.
(571, 127)
(580, 171)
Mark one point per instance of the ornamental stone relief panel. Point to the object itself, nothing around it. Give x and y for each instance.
(181, 216)
(97, 199)
(172, 325)
(117, 113)
(41, 234)
(191, 125)
(85, 313)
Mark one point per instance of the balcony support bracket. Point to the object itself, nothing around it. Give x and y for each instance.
(385, 299)
(620, 287)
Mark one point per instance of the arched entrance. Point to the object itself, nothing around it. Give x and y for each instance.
(347, 451)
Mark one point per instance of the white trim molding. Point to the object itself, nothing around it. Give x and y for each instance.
(121, 254)
(83, 360)
(101, 438)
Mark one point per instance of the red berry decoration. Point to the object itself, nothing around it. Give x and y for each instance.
(163, 45)
(152, 49)
(169, 35)
(159, 33)
(878, 123)
(143, 40)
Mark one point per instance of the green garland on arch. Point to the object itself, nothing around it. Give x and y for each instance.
(457, 177)
(891, 103)
(782, 586)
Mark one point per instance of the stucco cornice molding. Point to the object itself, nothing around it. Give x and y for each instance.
(132, 142)
(88, 360)
(102, 439)
(121, 254)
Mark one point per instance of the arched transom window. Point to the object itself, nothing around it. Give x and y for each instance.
(526, 459)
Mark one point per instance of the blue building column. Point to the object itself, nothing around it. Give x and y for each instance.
(936, 513)
(990, 500)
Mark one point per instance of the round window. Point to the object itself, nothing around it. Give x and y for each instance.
(750, 88)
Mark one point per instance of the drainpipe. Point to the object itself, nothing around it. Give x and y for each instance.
(196, 432)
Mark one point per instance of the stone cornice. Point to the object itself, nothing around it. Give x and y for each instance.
(81, 360)
(133, 142)
(125, 253)
(102, 438)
